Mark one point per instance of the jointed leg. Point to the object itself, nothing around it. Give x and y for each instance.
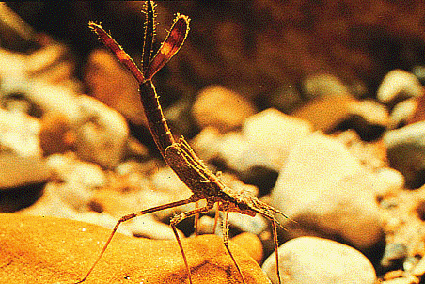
(226, 242)
(196, 219)
(276, 255)
(131, 216)
(216, 215)
(177, 219)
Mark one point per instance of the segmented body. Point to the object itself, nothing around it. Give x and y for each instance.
(178, 154)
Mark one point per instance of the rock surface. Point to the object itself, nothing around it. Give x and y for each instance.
(221, 108)
(324, 188)
(110, 83)
(398, 84)
(406, 150)
(37, 249)
(273, 133)
(315, 260)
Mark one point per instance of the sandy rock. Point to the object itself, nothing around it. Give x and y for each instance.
(221, 108)
(315, 260)
(273, 133)
(60, 251)
(323, 188)
(398, 84)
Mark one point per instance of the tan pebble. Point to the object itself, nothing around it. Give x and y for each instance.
(221, 108)
(393, 274)
(402, 280)
(55, 134)
(251, 244)
(324, 113)
(114, 86)
(419, 269)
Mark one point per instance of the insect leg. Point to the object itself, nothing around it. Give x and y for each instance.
(177, 219)
(131, 216)
(276, 255)
(216, 215)
(196, 219)
(226, 242)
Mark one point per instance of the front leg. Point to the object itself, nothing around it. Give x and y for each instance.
(180, 217)
(131, 216)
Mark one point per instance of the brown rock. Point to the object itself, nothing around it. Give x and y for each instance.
(111, 84)
(55, 134)
(35, 249)
(221, 108)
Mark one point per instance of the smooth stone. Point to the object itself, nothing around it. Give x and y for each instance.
(398, 84)
(111, 84)
(238, 153)
(394, 255)
(61, 251)
(69, 169)
(55, 135)
(180, 119)
(404, 112)
(405, 149)
(103, 135)
(285, 98)
(221, 108)
(56, 99)
(390, 181)
(372, 111)
(323, 188)
(419, 269)
(419, 72)
(402, 280)
(323, 85)
(230, 151)
(314, 260)
(273, 133)
(340, 113)
(21, 160)
(325, 112)
(417, 106)
(251, 244)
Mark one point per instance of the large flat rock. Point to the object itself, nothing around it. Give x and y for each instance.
(35, 249)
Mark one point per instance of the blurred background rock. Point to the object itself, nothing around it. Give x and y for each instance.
(254, 47)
